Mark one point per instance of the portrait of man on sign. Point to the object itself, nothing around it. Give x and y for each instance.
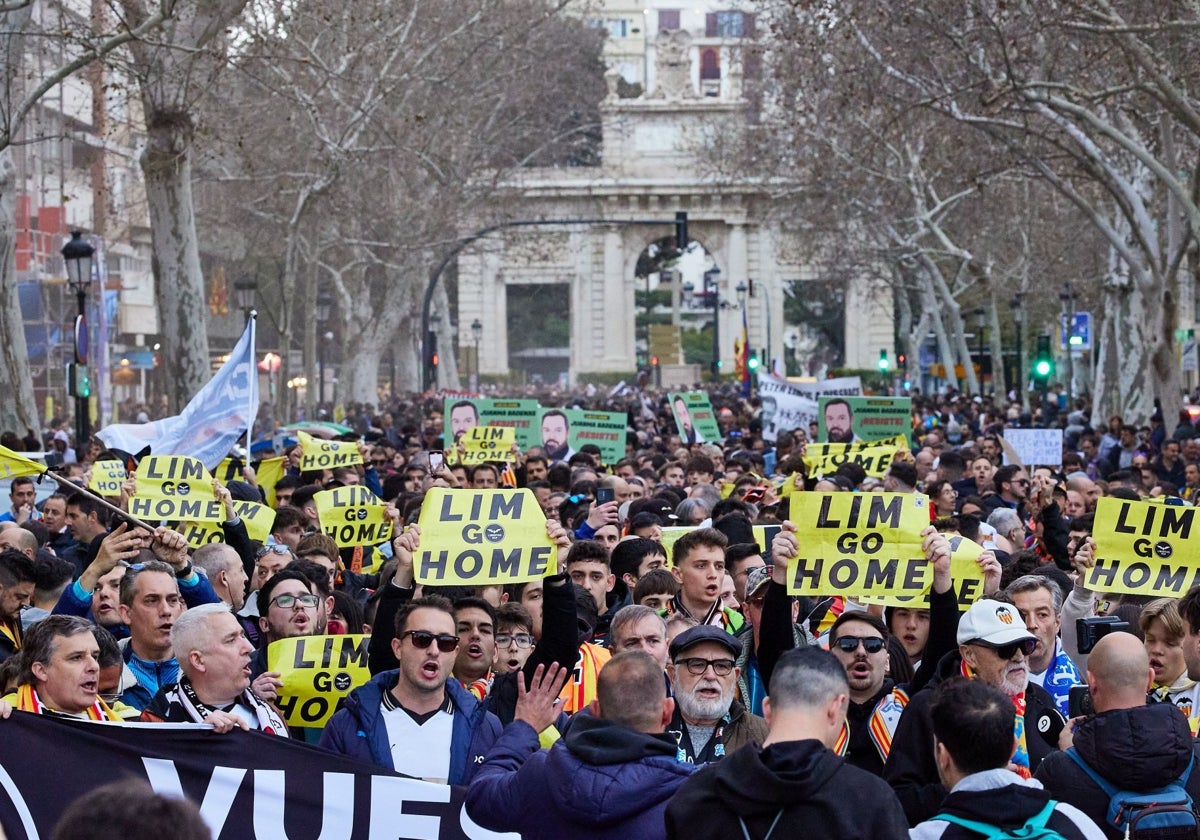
(688, 433)
(555, 431)
(463, 416)
(839, 422)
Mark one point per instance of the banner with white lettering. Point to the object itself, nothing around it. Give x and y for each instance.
(250, 786)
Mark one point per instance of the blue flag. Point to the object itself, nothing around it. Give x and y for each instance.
(220, 413)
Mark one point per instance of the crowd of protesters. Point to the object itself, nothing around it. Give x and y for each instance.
(645, 691)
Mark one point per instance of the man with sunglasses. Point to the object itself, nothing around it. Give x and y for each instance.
(708, 721)
(416, 720)
(1012, 490)
(994, 646)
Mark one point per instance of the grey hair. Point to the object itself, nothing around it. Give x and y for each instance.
(630, 615)
(39, 640)
(191, 632)
(807, 678)
(214, 558)
(1031, 583)
(1004, 520)
(688, 507)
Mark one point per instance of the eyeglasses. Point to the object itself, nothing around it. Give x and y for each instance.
(422, 639)
(523, 640)
(278, 548)
(1024, 481)
(286, 602)
(697, 666)
(1026, 646)
(849, 644)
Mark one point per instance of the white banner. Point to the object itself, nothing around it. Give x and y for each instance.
(791, 405)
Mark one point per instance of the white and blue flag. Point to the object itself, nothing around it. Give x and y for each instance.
(220, 413)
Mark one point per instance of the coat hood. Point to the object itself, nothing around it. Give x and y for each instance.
(751, 781)
(1143, 748)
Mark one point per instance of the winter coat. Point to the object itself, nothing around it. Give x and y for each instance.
(1139, 749)
(813, 791)
(601, 781)
(359, 730)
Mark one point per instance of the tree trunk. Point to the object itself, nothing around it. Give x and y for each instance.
(1126, 369)
(18, 411)
(179, 281)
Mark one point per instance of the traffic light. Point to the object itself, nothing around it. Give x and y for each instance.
(681, 230)
(752, 362)
(654, 361)
(902, 361)
(884, 364)
(433, 357)
(1043, 361)
(79, 380)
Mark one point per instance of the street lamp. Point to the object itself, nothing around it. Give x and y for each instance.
(1018, 319)
(246, 289)
(980, 324)
(77, 256)
(324, 304)
(713, 277)
(476, 336)
(1067, 296)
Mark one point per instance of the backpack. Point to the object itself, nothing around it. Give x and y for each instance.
(1162, 814)
(1035, 828)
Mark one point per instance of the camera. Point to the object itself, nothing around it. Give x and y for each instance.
(605, 494)
(1079, 701)
(1092, 630)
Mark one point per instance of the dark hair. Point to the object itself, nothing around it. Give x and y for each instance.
(286, 516)
(50, 574)
(468, 404)
(110, 648)
(973, 720)
(316, 574)
(285, 574)
(88, 504)
(699, 538)
(587, 551)
(477, 603)
(852, 471)
(430, 602)
(302, 498)
(1005, 475)
(904, 472)
(628, 554)
(347, 606)
(38, 643)
(858, 615)
(656, 582)
(1189, 608)
(16, 568)
(735, 554)
(556, 412)
(700, 464)
(513, 615)
(130, 808)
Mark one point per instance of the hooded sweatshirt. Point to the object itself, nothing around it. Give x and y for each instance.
(809, 789)
(1139, 749)
(602, 780)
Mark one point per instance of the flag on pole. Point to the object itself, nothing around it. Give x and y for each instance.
(211, 423)
(508, 476)
(743, 356)
(14, 465)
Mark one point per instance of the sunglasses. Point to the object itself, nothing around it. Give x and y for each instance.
(697, 666)
(1026, 646)
(278, 548)
(422, 639)
(1024, 481)
(849, 644)
(522, 640)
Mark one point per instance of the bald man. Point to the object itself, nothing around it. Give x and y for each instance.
(20, 539)
(1134, 746)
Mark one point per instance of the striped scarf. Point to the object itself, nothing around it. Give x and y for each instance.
(28, 701)
(884, 719)
(1021, 756)
(12, 632)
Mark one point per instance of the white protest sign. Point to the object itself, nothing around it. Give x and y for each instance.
(1040, 447)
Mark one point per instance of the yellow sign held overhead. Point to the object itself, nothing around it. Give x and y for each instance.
(353, 516)
(964, 570)
(855, 544)
(107, 477)
(176, 488)
(317, 454)
(874, 456)
(488, 443)
(317, 673)
(1144, 548)
(258, 519)
(478, 537)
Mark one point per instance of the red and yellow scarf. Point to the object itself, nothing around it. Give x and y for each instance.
(12, 632)
(1021, 756)
(28, 701)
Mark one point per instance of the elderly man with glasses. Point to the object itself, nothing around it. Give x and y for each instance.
(994, 646)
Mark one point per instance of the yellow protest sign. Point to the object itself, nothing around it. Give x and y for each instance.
(353, 516)
(855, 544)
(317, 673)
(107, 478)
(965, 572)
(268, 474)
(1143, 549)
(317, 454)
(175, 487)
(477, 537)
(13, 465)
(874, 456)
(488, 443)
(258, 519)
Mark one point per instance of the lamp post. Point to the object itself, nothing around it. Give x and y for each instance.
(980, 324)
(1067, 297)
(245, 289)
(324, 304)
(77, 256)
(476, 336)
(713, 276)
(1018, 319)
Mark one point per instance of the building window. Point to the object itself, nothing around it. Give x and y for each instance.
(729, 25)
(668, 20)
(618, 28)
(710, 64)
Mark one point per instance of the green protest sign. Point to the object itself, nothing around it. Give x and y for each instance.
(694, 417)
(463, 414)
(853, 419)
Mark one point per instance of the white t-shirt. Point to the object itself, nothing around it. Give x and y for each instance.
(420, 749)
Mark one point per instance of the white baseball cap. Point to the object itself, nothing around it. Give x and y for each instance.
(993, 623)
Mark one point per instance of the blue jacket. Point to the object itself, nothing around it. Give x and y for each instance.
(602, 781)
(359, 731)
(75, 600)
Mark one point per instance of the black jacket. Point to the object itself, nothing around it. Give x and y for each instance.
(911, 770)
(1000, 798)
(818, 793)
(1139, 749)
